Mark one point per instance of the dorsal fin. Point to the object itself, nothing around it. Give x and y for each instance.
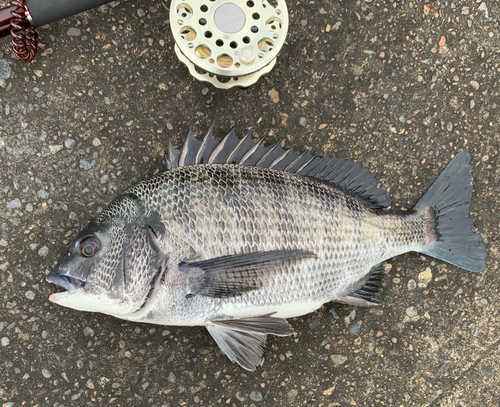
(342, 173)
(225, 148)
(272, 155)
(189, 150)
(172, 158)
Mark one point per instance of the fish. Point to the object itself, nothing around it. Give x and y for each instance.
(238, 237)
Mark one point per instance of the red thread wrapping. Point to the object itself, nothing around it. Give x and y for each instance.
(24, 40)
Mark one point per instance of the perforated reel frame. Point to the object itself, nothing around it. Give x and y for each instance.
(228, 42)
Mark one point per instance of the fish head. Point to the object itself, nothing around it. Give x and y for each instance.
(111, 266)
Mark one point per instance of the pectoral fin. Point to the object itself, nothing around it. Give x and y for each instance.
(230, 276)
(243, 340)
(156, 225)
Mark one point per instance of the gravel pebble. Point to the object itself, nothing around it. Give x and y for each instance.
(5, 70)
(73, 32)
(487, 371)
(5, 341)
(69, 143)
(55, 149)
(355, 329)
(411, 312)
(43, 251)
(85, 165)
(88, 331)
(30, 295)
(16, 203)
(314, 323)
(474, 84)
(424, 277)
(484, 8)
(256, 396)
(338, 359)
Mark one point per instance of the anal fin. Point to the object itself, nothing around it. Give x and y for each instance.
(368, 293)
(243, 340)
(355, 301)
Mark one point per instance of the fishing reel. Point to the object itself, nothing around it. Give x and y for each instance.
(225, 42)
(228, 42)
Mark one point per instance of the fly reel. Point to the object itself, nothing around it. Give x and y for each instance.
(228, 42)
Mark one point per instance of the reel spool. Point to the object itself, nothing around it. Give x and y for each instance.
(228, 42)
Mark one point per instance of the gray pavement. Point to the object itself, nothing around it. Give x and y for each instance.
(397, 86)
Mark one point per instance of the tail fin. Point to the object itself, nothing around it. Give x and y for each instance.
(458, 241)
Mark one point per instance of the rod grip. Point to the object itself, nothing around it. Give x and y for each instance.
(47, 11)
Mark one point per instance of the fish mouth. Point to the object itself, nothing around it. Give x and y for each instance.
(70, 284)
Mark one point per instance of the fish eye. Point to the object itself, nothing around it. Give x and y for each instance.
(89, 246)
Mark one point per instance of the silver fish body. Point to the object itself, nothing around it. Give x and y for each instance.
(219, 241)
(217, 210)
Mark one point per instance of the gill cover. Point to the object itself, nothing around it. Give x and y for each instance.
(113, 263)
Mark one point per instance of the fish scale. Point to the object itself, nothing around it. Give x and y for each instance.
(253, 236)
(310, 210)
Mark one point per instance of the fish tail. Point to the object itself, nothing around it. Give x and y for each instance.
(446, 204)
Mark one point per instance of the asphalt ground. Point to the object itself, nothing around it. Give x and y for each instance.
(399, 87)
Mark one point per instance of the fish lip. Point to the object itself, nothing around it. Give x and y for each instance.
(70, 284)
(56, 297)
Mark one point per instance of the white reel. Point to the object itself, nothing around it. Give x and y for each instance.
(228, 42)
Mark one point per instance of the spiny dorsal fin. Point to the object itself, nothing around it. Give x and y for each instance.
(207, 146)
(172, 158)
(342, 173)
(241, 149)
(189, 150)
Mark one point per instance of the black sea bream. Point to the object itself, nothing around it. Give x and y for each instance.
(238, 237)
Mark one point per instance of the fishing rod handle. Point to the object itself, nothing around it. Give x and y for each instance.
(41, 12)
(22, 16)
